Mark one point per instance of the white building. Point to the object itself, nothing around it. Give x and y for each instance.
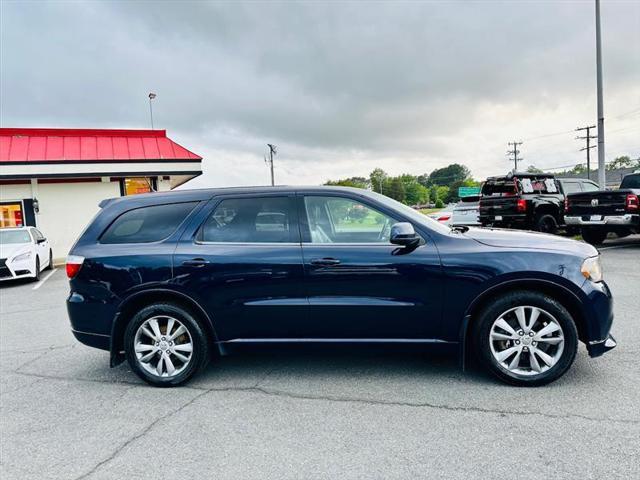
(54, 179)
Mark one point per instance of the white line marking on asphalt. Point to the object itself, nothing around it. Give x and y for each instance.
(39, 284)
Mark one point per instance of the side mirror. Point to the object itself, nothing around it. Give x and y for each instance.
(402, 233)
(42, 240)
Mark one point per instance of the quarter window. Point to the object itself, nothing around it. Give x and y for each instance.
(250, 220)
(147, 224)
(343, 220)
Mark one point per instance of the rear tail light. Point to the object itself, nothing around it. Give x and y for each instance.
(444, 218)
(521, 205)
(632, 203)
(74, 263)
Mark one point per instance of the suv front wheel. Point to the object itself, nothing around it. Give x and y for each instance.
(165, 345)
(526, 338)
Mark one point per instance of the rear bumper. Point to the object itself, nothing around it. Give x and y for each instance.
(95, 340)
(627, 220)
(601, 347)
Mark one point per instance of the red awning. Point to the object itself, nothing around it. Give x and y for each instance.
(52, 145)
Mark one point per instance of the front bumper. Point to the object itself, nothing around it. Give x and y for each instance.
(15, 270)
(627, 220)
(596, 349)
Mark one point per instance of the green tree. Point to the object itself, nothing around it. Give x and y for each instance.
(449, 174)
(378, 179)
(533, 169)
(416, 194)
(396, 190)
(357, 182)
(621, 162)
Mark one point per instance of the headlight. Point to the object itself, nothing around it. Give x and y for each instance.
(22, 257)
(592, 269)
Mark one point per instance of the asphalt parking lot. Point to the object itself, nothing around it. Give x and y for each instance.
(365, 414)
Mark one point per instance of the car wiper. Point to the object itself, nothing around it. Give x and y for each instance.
(460, 228)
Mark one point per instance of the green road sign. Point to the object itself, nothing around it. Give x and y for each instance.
(468, 191)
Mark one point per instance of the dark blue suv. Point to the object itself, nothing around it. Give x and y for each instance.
(168, 280)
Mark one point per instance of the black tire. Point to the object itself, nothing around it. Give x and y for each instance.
(50, 266)
(36, 277)
(481, 330)
(200, 354)
(546, 223)
(594, 236)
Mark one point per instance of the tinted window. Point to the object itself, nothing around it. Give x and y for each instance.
(343, 220)
(630, 181)
(147, 224)
(571, 187)
(589, 187)
(250, 220)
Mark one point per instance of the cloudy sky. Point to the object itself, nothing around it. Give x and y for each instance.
(340, 87)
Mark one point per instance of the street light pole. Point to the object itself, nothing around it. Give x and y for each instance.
(272, 152)
(602, 180)
(151, 97)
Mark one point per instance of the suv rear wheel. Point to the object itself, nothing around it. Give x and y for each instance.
(165, 345)
(526, 338)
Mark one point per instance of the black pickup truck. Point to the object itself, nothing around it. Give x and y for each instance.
(604, 211)
(532, 201)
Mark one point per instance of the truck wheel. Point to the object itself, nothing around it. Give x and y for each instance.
(546, 223)
(594, 236)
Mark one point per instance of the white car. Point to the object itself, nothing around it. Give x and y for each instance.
(24, 253)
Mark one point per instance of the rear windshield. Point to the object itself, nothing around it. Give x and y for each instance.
(630, 181)
(147, 224)
(512, 186)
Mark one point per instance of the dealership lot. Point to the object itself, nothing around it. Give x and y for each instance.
(320, 414)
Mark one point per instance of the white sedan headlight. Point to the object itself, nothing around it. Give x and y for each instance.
(592, 269)
(22, 257)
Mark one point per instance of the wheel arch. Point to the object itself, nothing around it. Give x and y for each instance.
(139, 300)
(558, 292)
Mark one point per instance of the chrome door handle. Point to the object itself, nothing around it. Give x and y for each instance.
(325, 262)
(196, 262)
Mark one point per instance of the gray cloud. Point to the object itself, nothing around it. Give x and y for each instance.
(341, 86)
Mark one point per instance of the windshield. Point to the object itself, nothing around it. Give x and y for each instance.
(9, 237)
(630, 181)
(409, 212)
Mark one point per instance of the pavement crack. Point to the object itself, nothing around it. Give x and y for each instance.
(393, 403)
(138, 435)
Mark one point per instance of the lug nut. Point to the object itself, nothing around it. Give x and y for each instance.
(163, 339)
(531, 334)
(534, 343)
(525, 349)
(520, 332)
(517, 342)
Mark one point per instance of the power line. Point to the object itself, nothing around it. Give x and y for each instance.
(588, 137)
(515, 153)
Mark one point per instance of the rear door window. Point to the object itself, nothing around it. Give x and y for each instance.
(251, 220)
(147, 224)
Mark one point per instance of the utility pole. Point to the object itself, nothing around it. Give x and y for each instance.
(588, 137)
(515, 153)
(151, 97)
(272, 152)
(602, 180)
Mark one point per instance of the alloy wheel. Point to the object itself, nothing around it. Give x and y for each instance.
(163, 346)
(526, 340)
